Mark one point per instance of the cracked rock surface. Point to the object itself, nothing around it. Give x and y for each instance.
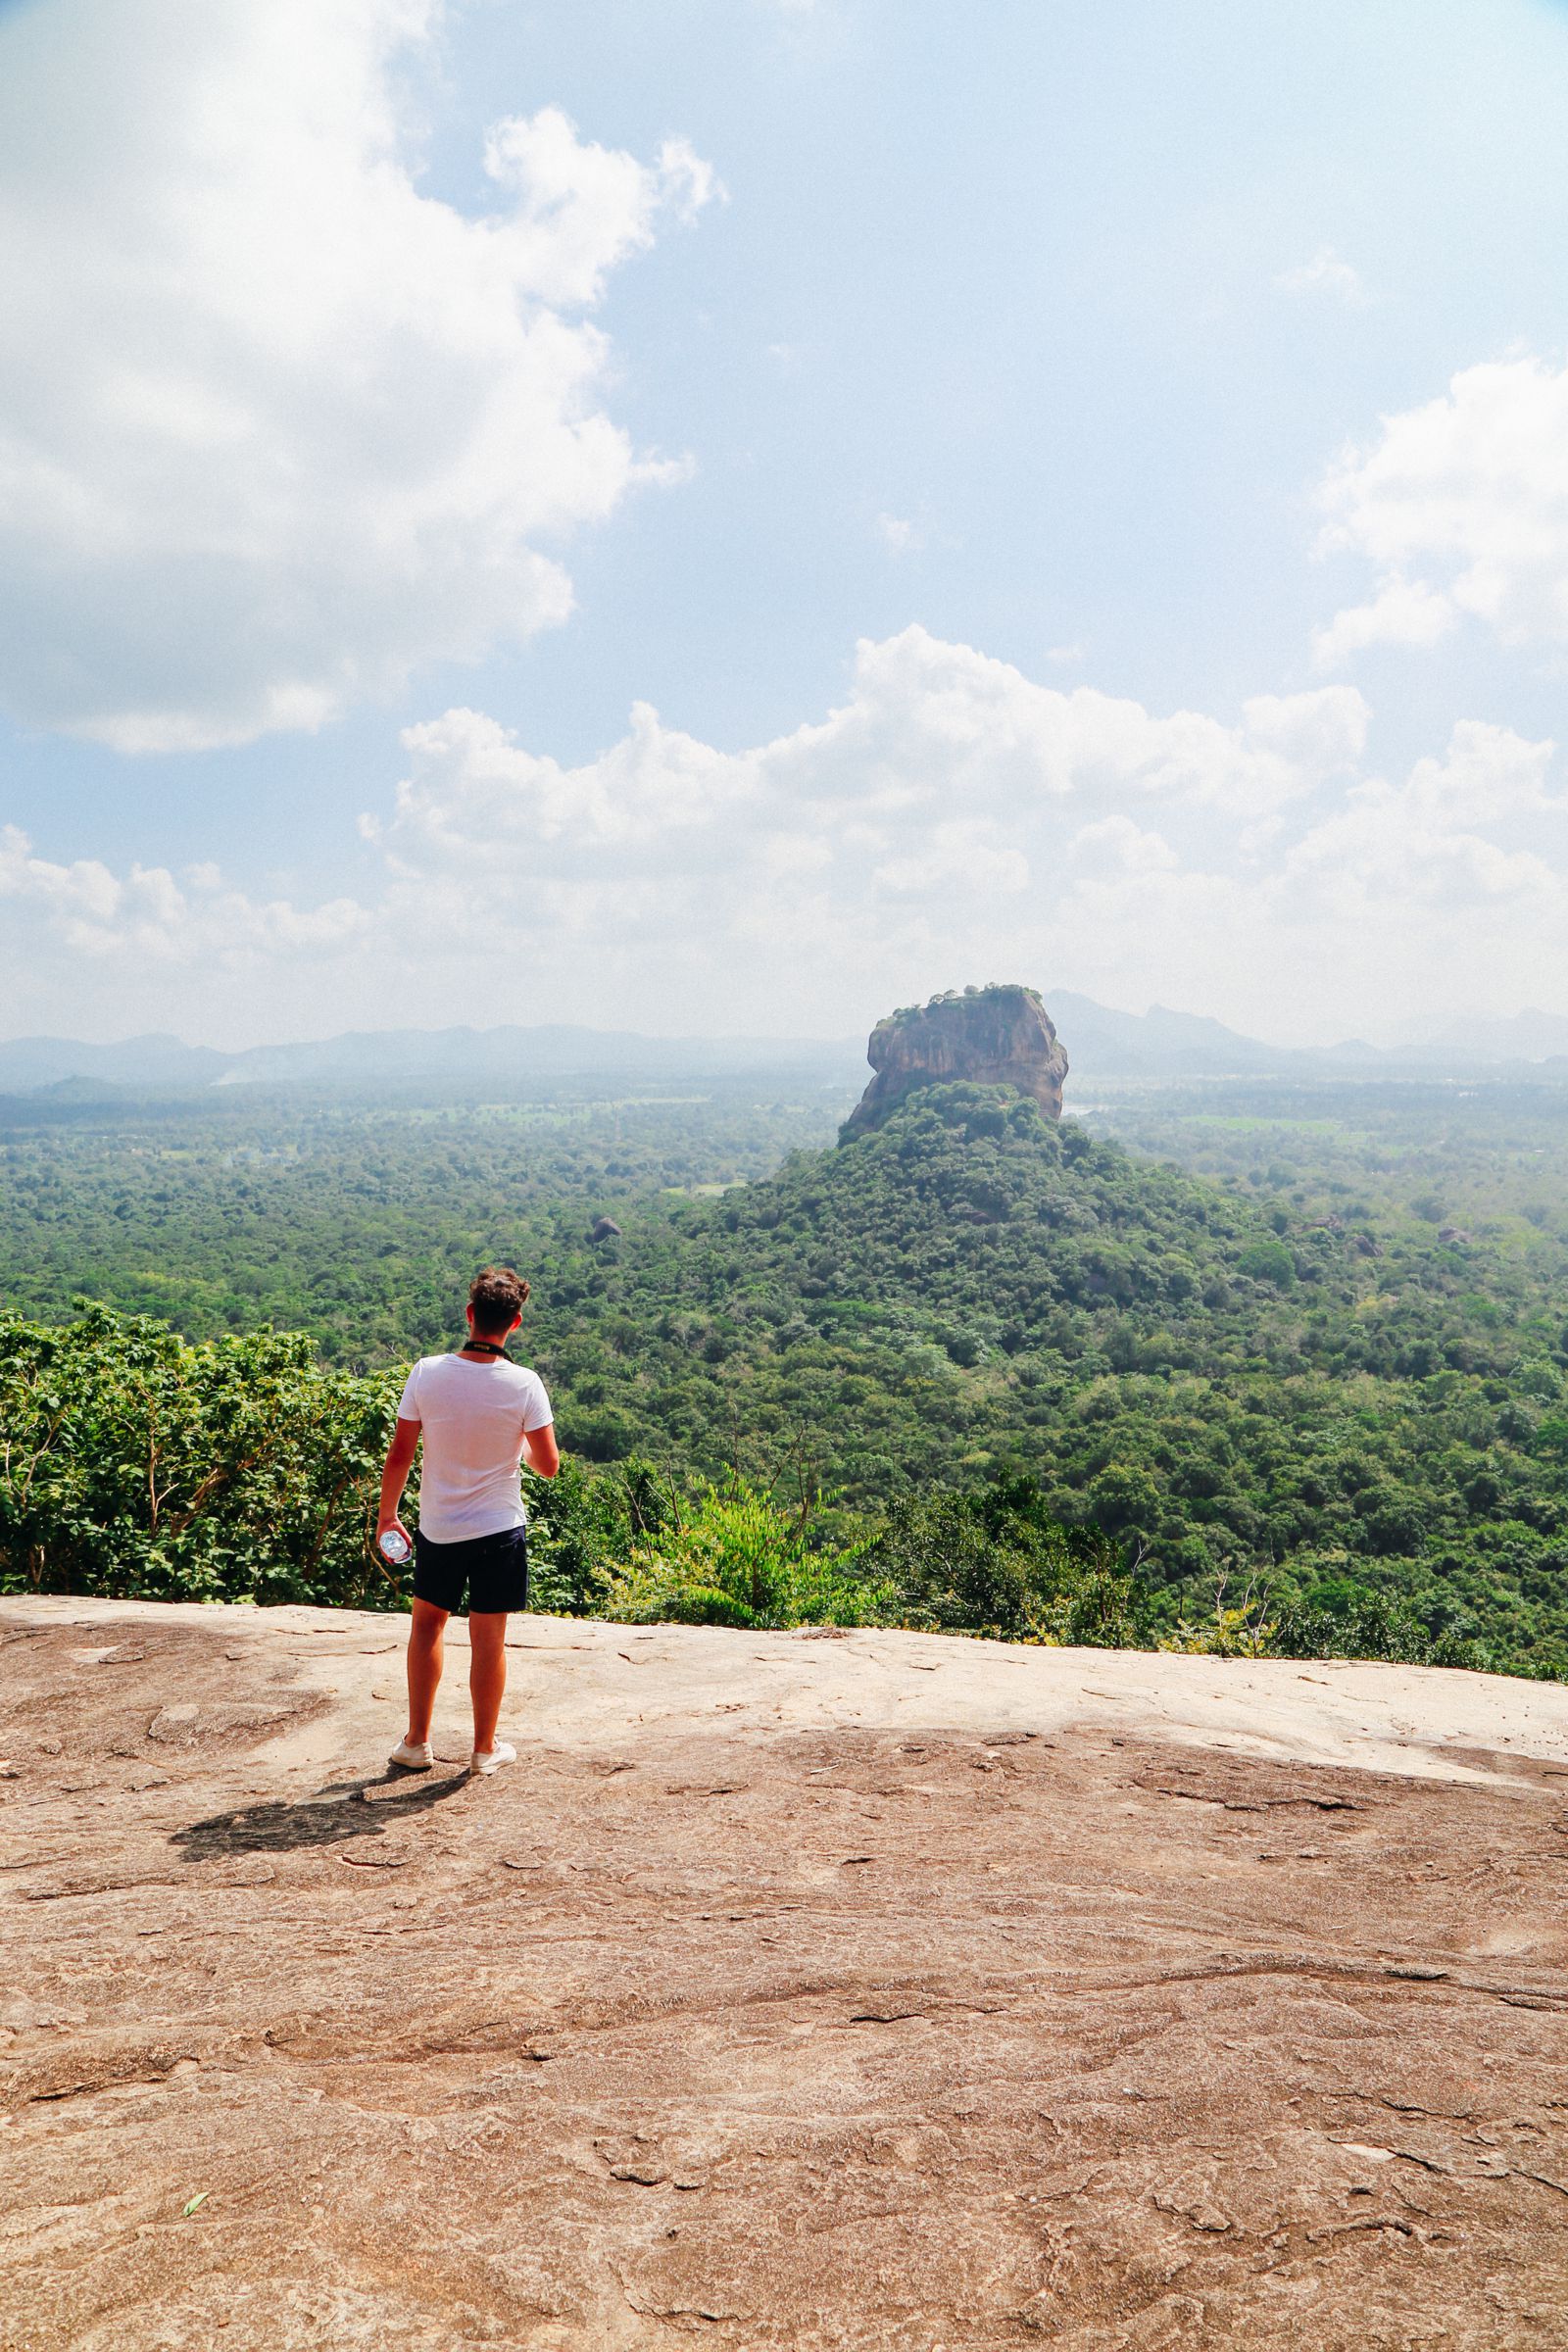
(790, 1990)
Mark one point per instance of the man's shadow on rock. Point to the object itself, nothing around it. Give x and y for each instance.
(344, 1811)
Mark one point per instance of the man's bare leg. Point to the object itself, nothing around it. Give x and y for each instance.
(427, 1658)
(487, 1675)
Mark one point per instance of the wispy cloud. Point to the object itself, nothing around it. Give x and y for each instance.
(1326, 274)
(899, 535)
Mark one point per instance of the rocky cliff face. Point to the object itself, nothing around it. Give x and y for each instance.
(988, 1036)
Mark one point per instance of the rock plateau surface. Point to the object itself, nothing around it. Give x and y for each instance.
(793, 1992)
(990, 1036)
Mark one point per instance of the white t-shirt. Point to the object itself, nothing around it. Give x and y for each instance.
(475, 1417)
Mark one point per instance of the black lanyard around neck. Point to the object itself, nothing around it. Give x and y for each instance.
(482, 1348)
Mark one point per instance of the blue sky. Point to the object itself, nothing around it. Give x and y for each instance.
(1034, 331)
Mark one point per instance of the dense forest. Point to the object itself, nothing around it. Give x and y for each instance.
(1316, 1369)
(357, 1220)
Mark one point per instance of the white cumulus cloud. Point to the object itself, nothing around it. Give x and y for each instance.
(1461, 507)
(147, 927)
(937, 766)
(948, 819)
(276, 426)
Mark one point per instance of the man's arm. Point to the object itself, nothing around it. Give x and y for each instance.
(540, 1448)
(395, 1476)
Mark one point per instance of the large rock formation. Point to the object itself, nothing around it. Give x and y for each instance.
(789, 1993)
(997, 1036)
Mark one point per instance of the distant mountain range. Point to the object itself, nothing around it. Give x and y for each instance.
(1101, 1042)
(1157, 1043)
(29, 1063)
(1527, 1035)
(363, 1058)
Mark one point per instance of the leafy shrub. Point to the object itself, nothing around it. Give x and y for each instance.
(1364, 1624)
(997, 1563)
(234, 1470)
(1374, 1627)
(727, 1564)
(733, 1557)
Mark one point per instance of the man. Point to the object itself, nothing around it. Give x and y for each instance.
(480, 1416)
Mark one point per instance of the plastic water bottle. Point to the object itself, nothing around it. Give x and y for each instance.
(394, 1546)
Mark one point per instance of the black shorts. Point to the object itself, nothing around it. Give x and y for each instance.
(491, 1570)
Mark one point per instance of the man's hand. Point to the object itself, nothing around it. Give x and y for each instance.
(386, 1526)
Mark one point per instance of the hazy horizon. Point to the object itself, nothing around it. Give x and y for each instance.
(1411, 1036)
(726, 517)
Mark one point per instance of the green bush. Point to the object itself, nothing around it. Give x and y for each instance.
(1373, 1627)
(238, 1469)
(1360, 1624)
(734, 1557)
(997, 1563)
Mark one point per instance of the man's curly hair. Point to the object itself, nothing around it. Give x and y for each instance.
(497, 1296)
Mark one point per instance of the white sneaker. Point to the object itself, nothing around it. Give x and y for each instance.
(412, 1755)
(487, 1760)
